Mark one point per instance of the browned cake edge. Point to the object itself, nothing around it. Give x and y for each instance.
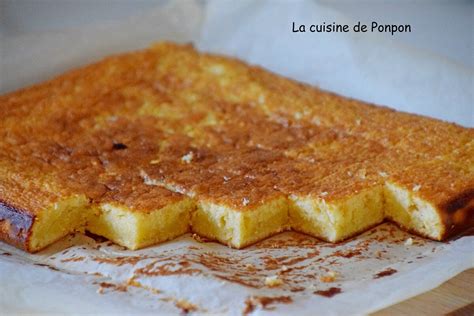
(458, 214)
(16, 225)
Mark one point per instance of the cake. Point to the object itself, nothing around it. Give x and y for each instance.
(146, 146)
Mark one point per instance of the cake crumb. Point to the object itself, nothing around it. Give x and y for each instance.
(329, 277)
(383, 174)
(362, 173)
(198, 238)
(188, 157)
(316, 121)
(264, 302)
(273, 281)
(416, 187)
(147, 180)
(155, 161)
(245, 201)
(249, 266)
(185, 306)
(323, 193)
(409, 242)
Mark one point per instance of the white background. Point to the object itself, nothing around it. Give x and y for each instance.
(444, 27)
(428, 71)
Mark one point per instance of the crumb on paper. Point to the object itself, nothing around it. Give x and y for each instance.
(329, 292)
(250, 266)
(273, 281)
(264, 302)
(329, 277)
(384, 273)
(112, 286)
(132, 282)
(198, 238)
(409, 242)
(185, 306)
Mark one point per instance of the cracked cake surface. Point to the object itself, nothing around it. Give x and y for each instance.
(145, 146)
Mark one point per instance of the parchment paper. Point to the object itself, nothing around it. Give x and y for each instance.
(84, 275)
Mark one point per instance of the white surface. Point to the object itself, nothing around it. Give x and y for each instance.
(444, 27)
(367, 67)
(208, 283)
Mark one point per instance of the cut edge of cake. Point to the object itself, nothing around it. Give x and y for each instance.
(135, 229)
(337, 220)
(332, 220)
(412, 213)
(57, 221)
(240, 228)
